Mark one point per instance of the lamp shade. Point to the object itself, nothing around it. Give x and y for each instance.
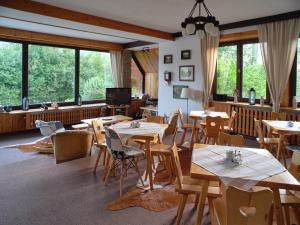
(184, 93)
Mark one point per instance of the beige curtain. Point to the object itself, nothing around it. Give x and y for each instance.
(278, 42)
(116, 60)
(209, 50)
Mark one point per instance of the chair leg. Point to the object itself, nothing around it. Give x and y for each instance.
(181, 208)
(104, 155)
(106, 167)
(287, 214)
(97, 160)
(135, 161)
(211, 211)
(123, 169)
(196, 200)
(110, 168)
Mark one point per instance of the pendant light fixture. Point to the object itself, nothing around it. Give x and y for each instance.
(200, 24)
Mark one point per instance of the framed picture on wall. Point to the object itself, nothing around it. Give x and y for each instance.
(168, 59)
(177, 91)
(186, 73)
(185, 54)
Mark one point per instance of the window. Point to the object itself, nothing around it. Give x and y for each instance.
(10, 73)
(298, 71)
(51, 74)
(226, 69)
(136, 80)
(95, 74)
(253, 71)
(240, 66)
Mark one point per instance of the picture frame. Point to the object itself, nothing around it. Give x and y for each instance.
(187, 73)
(177, 91)
(168, 59)
(186, 54)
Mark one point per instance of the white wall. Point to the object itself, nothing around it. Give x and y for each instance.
(166, 102)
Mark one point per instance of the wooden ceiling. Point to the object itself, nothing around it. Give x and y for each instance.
(148, 60)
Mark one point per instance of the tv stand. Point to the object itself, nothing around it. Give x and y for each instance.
(123, 109)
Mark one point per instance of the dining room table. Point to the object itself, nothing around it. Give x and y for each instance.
(258, 167)
(107, 120)
(145, 131)
(283, 129)
(196, 115)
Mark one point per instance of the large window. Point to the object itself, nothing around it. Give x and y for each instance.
(226, 69)
(10, 73)
(95, 74)
(240, 66)
(51, 74)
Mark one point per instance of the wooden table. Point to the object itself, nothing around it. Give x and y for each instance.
(107, 120)
(197, 115)
(283, 130)
(148, 137)
(283, 180)
(150, 109)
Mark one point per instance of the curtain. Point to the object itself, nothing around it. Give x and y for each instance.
(278, 43)
(209, 50)
(116, 60)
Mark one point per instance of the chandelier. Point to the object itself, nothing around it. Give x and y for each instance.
(200, 24)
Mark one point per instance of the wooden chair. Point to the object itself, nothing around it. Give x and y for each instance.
(266, 143)
(100, 142)
(72, 144)
(291, 199)
(229, 127)
(154, 119)
(123, 155)
(189, 186)
(239, 207)
(231, 140)
(184, 126)
(212, 129)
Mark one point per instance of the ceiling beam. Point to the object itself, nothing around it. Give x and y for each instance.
(66, 14)
(29, 36)
(136, 44)
(253, 22)
(247, 35)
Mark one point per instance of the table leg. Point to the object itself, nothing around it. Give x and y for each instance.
(149, 163)
(278, 207)
(193, 134)
(201, 203)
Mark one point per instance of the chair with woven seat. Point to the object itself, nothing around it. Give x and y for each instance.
(100, 142)
(123, 155)
(72, 144)
(231, 140)
(186, 186)
(240, 207)
(229, 127)
(291, 199)
(264, 142)
(212, 129)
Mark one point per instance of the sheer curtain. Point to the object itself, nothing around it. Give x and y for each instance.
(209, 50)
(116, 60)
(278, 42)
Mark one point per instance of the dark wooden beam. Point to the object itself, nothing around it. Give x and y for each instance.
(66, 14)
(136, 44)
(253, 22)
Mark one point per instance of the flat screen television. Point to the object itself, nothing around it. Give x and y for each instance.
(118, 96)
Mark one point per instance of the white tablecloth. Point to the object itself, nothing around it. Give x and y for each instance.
(125, 131)
(254, 167)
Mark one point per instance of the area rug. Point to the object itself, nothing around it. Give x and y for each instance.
(158, 200)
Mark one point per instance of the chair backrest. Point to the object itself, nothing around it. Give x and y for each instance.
(248, 208)
(213, 126)
(172, 124)
(114, 143)
(181, 117)
(295, 165)
(154, 119)
(231, 120)
(259, 131)
(72, 144)
(177, 167)
(231, 140)
(278, 116)
(98, 129)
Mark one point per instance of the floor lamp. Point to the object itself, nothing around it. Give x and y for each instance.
(185, 94)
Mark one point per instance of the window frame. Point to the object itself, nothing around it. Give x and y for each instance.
(239, 72)
(293, 79)
(25, 71)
